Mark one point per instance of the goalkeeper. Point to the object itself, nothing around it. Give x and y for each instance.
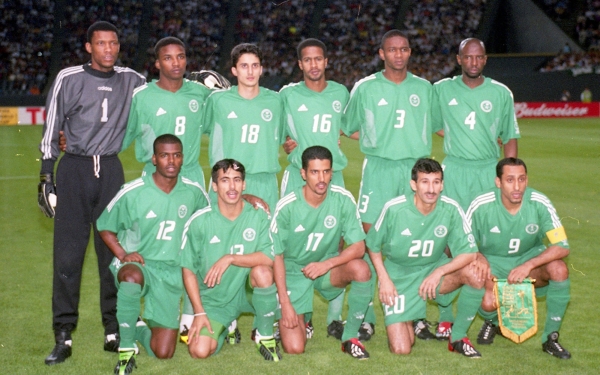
(171, 104)
(509, 224)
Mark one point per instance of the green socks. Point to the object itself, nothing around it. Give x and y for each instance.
(264, 301)
(128, 310)
(359, 298)
(557, 299)
(467, 305)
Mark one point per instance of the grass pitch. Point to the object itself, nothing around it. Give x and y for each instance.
(562, 158)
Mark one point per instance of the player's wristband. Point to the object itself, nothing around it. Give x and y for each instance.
(200, 314)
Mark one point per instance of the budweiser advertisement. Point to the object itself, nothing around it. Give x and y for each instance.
(556, 109)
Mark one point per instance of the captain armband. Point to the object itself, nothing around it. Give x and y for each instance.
(556, 235)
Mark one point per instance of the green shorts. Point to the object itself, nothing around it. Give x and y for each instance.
(301, 290)
(501, 265)
(407, 280)
(262, 185)
(464, 180)
(162, 291)
(193, 172)
(382, 180)
(292, 180)
(222, 315)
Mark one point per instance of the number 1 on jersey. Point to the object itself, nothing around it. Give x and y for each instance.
(316, 237)
(104, 117)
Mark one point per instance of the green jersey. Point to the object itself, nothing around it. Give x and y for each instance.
(408, 238)
(474, 119)
(499, 233)
(151, 222)
(394, 120)
(315, 118)
(209, 236)
(305, 234)
(249, 131)
(155, 111)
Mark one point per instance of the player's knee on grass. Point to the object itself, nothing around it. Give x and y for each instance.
(131, 274)
(400, 341)
(261, 276)
(163, 342)
(204, 348)
(293, 340)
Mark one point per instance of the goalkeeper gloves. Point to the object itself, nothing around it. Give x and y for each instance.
(47, 194)
(210, 79)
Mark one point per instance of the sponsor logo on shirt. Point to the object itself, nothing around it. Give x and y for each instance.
(532, 228)
(495, 230)
(249, 234)
(414, 100)
(337, 106)
(182, 211)
(406, 232)
(486, 106)
(150, 215)
(105, 88)
(266, 114)
(453, 102)
(232, 115)
(215, 239)
(302, 108)
(382, 102)
(329, 222)
(160, 112)
(440, 231)
(194, 106)
(299, 228)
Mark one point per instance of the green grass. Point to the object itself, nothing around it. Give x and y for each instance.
(562, 157)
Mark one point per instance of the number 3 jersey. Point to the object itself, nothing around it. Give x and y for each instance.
(247, 130)
(407, 238)
(209, 236)
(473, 119)
(149, 221)
(394, 120)
(499, 233)
(155, 111)
(305, 234)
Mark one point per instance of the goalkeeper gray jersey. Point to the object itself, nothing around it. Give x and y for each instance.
(92, 108)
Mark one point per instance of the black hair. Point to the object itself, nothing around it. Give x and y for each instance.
(316, 152)
(509, 162)
(166, 139)
(311, 42)
(392, 33)
(225, 165)
(101, 26)
(427, 166)
(167, 42)
(243, 48)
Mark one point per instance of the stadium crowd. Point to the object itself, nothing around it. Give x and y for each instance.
(350, 29)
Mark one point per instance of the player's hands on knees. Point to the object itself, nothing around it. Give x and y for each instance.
(200, 321)
(214, 274)
(387, 292)
(256, 202)
(62, 141)
(315, 269)
(429, 285)
(289, 318)
(518, 274)
(134, 257)
(289, 145)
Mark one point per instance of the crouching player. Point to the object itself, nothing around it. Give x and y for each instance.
(509, 224)
(227, 259)
(143, 226)
(306, 229)
(412, 232)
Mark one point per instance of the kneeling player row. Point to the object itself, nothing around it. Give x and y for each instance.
(236, 260)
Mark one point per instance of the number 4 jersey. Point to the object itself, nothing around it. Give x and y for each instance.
(473, 119)
(149, 221)
(247, 130)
